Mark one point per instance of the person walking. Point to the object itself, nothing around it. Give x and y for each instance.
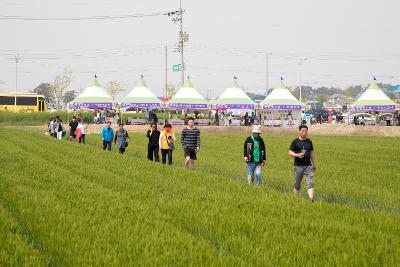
(51, 126)
(166, 143)
(82, 131)
(304, 161)
(122, 138)
(72, 128)
(222, 118)
(330, 118)
(321, 118)
(155, 118)
(107, 136)
(246, 119)
(153, 146)
(190, 140)
(216, 118)
(55, 127)
(303, 118)
(388, 120)
(60, 130)
(254, 155)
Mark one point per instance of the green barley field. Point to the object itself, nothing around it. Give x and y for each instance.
(65, 204)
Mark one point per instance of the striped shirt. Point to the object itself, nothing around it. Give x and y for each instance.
(190, 138)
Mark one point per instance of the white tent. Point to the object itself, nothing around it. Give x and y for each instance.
(235, 98)
(281, 99)
(374, 99)
(188, 97)
(93, 96)
(141, 97)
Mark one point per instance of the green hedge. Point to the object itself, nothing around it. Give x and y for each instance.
(34, 119)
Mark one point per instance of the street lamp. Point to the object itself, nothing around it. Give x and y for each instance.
(17, 59)
(300, 64)
(266, 73)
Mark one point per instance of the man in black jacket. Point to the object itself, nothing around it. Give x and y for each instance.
(72, 128)
(254, 154)
(152, 148)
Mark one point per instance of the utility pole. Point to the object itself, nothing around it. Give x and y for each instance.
(208, 96)
(166, 71)
(181, 41)
(266, 74)
(183, 37)
(17, 59)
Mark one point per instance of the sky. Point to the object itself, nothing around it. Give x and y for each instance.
(341, 42)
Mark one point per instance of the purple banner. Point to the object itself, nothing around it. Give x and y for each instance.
(140, 105)
(181, 105)
(236, 106)
(92, 105)
(387, 107)
(283, 107)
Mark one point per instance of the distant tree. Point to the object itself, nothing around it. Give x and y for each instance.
(61, 83)
(353, 91)
(295, 91)
(45, 89)
(256, 96)
(171, 89)
(114, 88)
(391, 95)
(322, 98)
(69, 96)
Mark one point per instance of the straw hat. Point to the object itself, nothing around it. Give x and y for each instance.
(256, 129)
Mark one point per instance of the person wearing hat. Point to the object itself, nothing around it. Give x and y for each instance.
(254, 155)
(166, 143)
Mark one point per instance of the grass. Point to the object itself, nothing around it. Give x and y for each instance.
(69, 204)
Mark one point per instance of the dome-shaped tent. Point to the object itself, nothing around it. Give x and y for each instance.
(235, 98)
(93, 96)
(374, 99)
(281, 99)
(188, 97)
(141, 97)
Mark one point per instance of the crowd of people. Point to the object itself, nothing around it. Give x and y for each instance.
(254, 149)
(77, 129)
(164, 141)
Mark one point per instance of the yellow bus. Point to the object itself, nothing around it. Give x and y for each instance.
(26, 102)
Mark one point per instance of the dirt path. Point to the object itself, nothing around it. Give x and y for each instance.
(325, 129)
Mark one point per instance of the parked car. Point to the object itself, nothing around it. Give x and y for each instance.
(316, 113)
(369, 119)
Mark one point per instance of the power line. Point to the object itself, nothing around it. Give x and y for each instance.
(105, 17)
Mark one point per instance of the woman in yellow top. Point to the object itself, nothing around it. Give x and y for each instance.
(166, 143)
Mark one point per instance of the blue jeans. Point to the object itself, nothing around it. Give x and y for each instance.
(254, 169)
